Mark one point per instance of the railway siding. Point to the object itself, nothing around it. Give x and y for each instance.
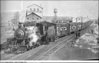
(50, 51)
(55, 49)
(47, 48)
(37, 51)
(58, 47)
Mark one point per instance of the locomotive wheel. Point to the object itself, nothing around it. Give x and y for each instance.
(34, 46)
(4, 46)
(21, 49)
(10, 50)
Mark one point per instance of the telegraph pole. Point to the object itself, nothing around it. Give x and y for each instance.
(76, 27)
(81, 22)
(77, 31)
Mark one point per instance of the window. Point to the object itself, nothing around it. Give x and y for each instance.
(37, 18)
(79, 26)
(37, 10)
(27, 18)
(58, 28)
(65, 28)
(34, 10)
(30, 9)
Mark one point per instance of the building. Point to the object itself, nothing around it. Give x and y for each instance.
(63, 20)
(80, 19)
(34, 13)
(33, 17)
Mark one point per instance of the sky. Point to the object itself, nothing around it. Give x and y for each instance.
(64, 8)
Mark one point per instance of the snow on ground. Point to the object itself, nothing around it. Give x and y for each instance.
(89, 40)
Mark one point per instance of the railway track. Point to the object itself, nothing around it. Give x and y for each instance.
(5, 56)
(54, 49)
(47, 54)
(48, 50)
(37, 51)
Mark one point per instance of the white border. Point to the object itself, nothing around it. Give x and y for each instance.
(49, 61)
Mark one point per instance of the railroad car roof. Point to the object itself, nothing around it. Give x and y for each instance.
(45, 23)
(29, 23)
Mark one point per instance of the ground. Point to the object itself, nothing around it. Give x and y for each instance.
(72, 54)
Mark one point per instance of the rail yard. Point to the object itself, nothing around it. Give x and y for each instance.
(38, 37)
(44, 52)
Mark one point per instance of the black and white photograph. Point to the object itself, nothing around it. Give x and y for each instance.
(36, 30)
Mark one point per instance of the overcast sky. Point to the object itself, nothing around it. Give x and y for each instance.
(64, 8)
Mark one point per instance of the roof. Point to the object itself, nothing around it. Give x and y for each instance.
(35, 5)
(32, 23)
(35, 14)
(59, 18)
(45, 23)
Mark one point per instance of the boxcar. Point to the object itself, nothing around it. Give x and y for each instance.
(79, 26)
(63, 29)
(73, 27)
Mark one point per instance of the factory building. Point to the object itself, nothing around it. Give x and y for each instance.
(34, 13)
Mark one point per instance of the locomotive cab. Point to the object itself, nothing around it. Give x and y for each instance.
(48, 31)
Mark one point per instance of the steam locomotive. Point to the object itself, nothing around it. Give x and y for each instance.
(31, 34)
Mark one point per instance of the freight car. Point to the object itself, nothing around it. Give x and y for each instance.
(33, 34)
(64, 29)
